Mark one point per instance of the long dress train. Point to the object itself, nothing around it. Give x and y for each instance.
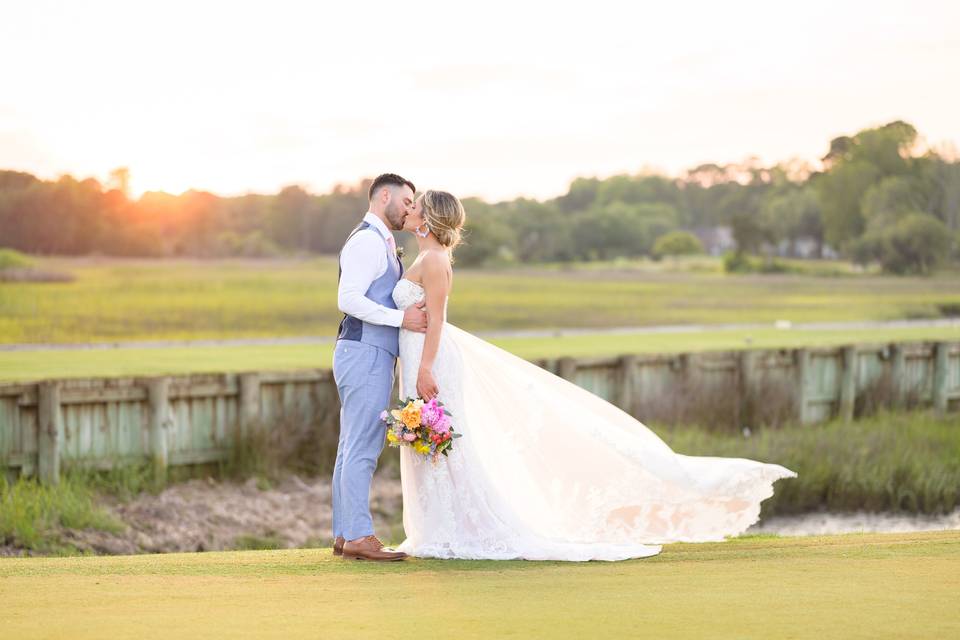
(545, 470)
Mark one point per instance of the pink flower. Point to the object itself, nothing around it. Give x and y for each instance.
(431, 412)
(442, 425)
(384, 414)
(410, 436)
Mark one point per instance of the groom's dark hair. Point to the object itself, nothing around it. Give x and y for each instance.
(385, 179)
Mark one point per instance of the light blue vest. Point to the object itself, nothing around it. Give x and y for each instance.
(381, 292)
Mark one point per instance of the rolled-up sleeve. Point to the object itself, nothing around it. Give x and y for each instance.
(363, 260)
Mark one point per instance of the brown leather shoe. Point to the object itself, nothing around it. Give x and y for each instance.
(369, 548)
(338, 546)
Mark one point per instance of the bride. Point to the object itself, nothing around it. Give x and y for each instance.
(545, 470)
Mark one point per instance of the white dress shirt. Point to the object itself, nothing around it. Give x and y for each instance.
(365, 258)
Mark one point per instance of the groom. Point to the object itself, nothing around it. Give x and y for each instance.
(364, 359)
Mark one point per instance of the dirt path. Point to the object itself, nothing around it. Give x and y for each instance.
(212, 515)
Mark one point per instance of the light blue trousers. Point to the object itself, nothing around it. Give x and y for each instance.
(364, 377)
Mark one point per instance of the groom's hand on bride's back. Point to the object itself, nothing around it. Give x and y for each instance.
(415, 318)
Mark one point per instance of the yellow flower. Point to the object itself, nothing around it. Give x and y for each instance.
(411, 416)
(396, 414)
(421, 446)
(392, 437)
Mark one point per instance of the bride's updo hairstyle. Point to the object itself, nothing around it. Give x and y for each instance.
(444, 216)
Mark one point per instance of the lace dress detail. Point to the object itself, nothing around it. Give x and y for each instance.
(545, 470)
(446, 513)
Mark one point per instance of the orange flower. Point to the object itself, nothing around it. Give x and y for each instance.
(410, 415)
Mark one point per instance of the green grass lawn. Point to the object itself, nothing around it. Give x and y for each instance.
(846, 586)
(125, 299)
(31, 365)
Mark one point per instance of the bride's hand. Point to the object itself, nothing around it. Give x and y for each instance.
(426, 386)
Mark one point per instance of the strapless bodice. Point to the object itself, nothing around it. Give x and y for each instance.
(407, 292)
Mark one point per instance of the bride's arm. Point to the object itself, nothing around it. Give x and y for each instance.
(437, 286)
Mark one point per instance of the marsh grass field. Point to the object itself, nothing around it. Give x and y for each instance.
(844, 586)
(891, 461)
(121, 300)
(118, 301)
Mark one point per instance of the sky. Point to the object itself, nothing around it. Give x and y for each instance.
(494, 99)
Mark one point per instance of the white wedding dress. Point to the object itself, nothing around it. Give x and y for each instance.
(545, 470)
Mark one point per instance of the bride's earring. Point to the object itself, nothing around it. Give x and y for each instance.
(422, 234)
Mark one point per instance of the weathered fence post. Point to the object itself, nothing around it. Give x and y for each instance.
(249, 409)
(848, 383)
(158, 398)
(29, 468)
(567, 368)
(801, 360)
(549, 364)
(940, 362)
(48, 430)
(628, 368)
(898, 375)
(746, 363)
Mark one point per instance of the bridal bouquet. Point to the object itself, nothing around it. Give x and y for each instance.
(424, 426)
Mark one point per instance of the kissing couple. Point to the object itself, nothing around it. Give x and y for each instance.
(544, 469)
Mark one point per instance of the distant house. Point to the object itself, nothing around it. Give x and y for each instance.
(718, 240)
(715, 240)
(804, 247)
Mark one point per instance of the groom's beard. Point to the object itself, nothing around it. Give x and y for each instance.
(395, 217)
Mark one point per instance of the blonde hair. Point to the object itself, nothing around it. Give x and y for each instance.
(444, 216)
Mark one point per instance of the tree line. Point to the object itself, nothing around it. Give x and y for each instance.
(878, 197)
